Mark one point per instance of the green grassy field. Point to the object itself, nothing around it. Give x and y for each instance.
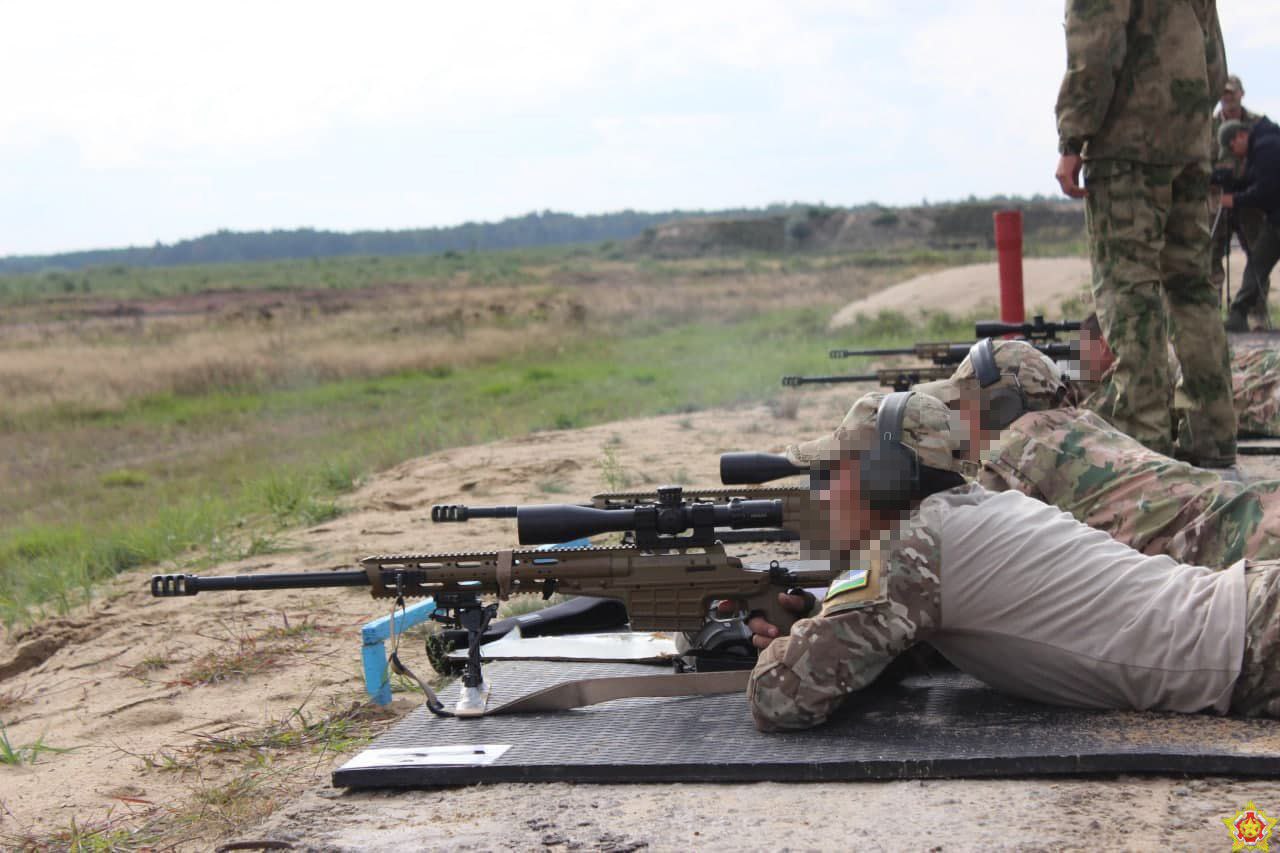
(180, 479)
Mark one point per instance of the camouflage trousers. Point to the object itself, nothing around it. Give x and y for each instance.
(1257, 690)
(1076, 461)
(1149, 242)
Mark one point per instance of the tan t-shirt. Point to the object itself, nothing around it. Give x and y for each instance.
(1037, 604)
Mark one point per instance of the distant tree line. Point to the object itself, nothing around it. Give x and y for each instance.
(545, 228)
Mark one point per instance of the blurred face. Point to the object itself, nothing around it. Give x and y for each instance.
(851, 521)
(975, 437)
(1231, 102)
(1240, 145)
(1095, 356)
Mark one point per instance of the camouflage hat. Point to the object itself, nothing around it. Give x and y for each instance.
(1021, 365)
(929, 428)
(1233, 84)
(1228, 131)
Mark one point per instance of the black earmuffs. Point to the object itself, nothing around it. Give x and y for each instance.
(889, 473)
(1000, 406)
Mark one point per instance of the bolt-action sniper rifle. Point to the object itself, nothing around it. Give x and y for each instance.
(899, 379)
(675, 578)
(951, 354)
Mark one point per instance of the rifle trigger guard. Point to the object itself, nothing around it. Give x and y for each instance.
(506, 560)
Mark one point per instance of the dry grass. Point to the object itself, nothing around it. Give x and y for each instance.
(101, 363)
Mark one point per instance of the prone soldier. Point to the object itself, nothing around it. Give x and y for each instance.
(1068, 616)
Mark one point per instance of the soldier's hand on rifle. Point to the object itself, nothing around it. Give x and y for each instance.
(1068, 175)
(764, 632)
(1228, 201)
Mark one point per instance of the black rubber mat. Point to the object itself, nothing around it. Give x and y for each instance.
(923, 727)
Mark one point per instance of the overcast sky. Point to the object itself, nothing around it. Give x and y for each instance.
(128, 122)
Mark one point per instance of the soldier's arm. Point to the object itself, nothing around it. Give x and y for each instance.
(802, 678)
(871, 614)
(1096, 48)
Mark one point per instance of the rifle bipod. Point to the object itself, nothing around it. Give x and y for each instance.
(460, 610)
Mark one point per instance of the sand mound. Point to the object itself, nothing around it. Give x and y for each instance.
(961, 290)
(1046, 282)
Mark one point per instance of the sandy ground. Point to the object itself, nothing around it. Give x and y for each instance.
(1046, 283)
(134, 684)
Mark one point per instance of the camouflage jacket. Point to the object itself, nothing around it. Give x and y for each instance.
(1076, 461)
(869, 617)
(1141, 80)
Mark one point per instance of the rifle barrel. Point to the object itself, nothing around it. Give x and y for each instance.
(793, 381)
(172, 586)
(854, 353)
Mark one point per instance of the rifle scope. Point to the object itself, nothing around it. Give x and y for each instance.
(543, 525)
(740, 469)
(1037, 328)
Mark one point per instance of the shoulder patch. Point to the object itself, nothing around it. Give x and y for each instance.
(855, 589)
(847, 582)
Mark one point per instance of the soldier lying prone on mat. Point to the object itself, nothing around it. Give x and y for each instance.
(1011, 590)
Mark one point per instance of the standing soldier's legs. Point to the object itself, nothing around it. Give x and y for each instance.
(1207, 417)
(1253, 228)
(1257, 690)
(1125, 211)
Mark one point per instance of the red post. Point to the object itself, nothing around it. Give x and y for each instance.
(1009, 253)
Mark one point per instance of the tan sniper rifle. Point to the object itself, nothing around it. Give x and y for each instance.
(669, 580)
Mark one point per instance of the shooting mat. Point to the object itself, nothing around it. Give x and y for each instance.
(945, 725)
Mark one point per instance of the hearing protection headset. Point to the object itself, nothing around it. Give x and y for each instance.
(1000, 406)
(889, 474)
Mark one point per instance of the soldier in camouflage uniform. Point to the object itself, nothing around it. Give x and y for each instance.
(1134, 111)
(1068, 616)
(1246, 222)
(1077, 462)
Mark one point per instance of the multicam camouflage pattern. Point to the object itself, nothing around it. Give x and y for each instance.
(801, 678)
(1255, 387)
(1074, 460)
(1257, 690)
(1021, 366)
(1148, 234)
(929, 428)
(1141, 80)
